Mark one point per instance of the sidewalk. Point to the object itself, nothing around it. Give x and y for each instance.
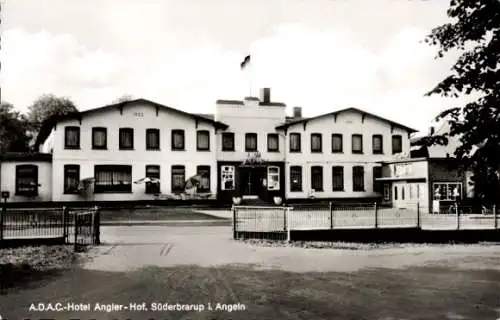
(226, 214)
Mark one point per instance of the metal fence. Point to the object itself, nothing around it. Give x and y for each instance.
(78, 226)
(278, 222)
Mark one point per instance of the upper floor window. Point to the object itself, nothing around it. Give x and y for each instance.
(178, 139)
(72, 138)
(337, 178)
(99, 138)
(336, 142)
(295, 142)
(357, 143)
(126, 138)
(316, 143)
(152, 139)
(250, 142)
(377, 144)
(26, 180)
(203, 140)
(295, 178)
(227, 141)
(71, 178)
(358, 178)
(317, 178)
(273, 142)
(153, 184)
(397, 144)
(204, 173)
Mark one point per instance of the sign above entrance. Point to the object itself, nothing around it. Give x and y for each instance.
(253, 160)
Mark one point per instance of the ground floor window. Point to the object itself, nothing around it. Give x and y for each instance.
(273, 178)
(317, 178)
(448, 190)
(113, 178)
(178, 178)
(204, 173)
(296, 179)
(227, 178)
(153, 172)
(71, 178)
(26, 180)
(387, 192)
(337, 178)
(358, 178)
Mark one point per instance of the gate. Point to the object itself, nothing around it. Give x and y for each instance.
(86, 227)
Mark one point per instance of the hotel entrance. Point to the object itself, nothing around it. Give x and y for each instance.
(252, 182)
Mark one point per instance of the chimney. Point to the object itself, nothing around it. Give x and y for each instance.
(265, 95)
(297, 112)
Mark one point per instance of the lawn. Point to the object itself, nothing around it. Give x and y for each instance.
(154, 213)
(435, 292)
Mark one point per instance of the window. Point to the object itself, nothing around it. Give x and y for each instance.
(250, 142)
(448, 190)
(395, 193)
(126, 138)
(178, 178)
(113, 178)
(294, 142)
(336, 143)
(204, 173)
(377, 173)
(273, 178)
(397, 144)
(296, 179)
(316, 143)
(71, 178)
(403, 192)
(153, 172)
(358, 178)
(178, 140)
(337, 178)
(99, 138)
(203, 140)
(26, 180)
(357, 143)
(273, 142)
(418, 191)
(152, 139)
(72, 138)
(387, 192)
(377, 144)
(227, 141)
(317, 178)
(227, 178)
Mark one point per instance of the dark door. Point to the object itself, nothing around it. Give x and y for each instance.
(251, 181)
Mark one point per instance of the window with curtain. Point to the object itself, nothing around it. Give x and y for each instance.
(273, 178)
(153, 172)
(338, 178)
(317, 178)
(397, 144)
(204, 173)
(227, 141)
(357, 143)
(178, 139)
(377, 144)
(377, 173)
(358, 178)
(336, 143)
(126, 138)
(72, 137)
(295, 178)
(26, 180)
(295, 142)
(387, 192)
(178, 178)
(71, 178)
(152, 139)
(227, 177)
(203, 140)
(113, 178)
(250, 142)
(99, 138)
(316, 143)
(273, 142)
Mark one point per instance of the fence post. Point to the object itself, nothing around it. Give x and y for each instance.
(2, 214)
(285, 219)
(76, 232)
(495, 222)
(97, 226)
(457, 212)
(331, 215)
(65, 223)
(233, 209)
(376, 215)
(418, 214)
(287, 223)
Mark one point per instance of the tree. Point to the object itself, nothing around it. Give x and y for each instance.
(13, 130)
(474, 31)
(47, 106)
(123, 98)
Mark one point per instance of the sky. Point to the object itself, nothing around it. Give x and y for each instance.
(321, 55)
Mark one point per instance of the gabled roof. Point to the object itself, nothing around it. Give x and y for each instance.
(48, 124)
(302, 120)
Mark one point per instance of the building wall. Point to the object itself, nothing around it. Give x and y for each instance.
(8, 181)
(346, 123)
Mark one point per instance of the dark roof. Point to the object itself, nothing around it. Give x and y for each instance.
(301, 120)
(209, 116)
(48, 124)
(240, 102)
(26, 156)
